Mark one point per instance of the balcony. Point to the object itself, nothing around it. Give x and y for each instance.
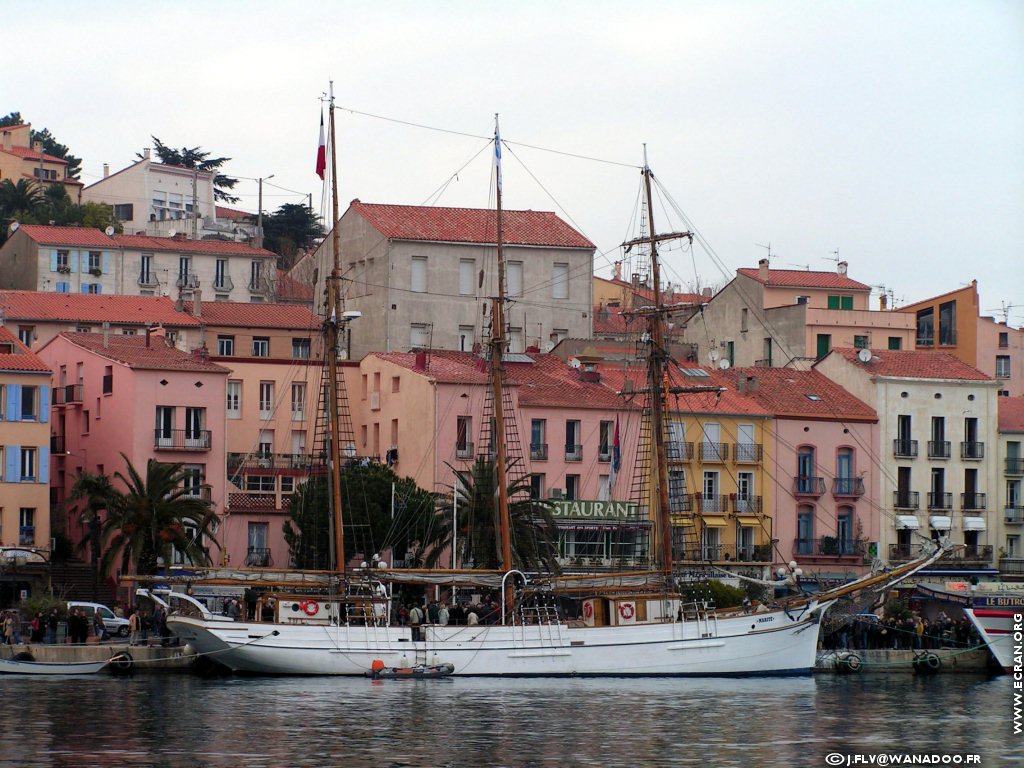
(711, 504)
(203, 492)
(679, 503)
(1015, 466)
(222, 283)
(746, 505)
(237, 462)
(678, 451)
(187, 282)
(804, 485)
(604, 454)
(972, 501)
(972, 450)
(67, 395)
(938, 449)
(906, 500)
(466, 451)
(848, 487)
(56, 444)
(830, 546)
(747, 453)
(181, 439)
(904, 449)
(258, 557)
(940, 500)
(1011, 565)
(714, 452)
(539, 451)
(26, 536)
(574, 453)
(971, 555)
(1014, 515)
(148, 280)
(900, 553)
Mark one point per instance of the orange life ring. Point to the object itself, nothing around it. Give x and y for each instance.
(626, 611)
(311, 607)
(302, 605)
(588, 609)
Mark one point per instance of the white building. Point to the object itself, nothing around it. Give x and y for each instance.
(1011, 486)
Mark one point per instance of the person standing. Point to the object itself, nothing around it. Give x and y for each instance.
(134, 627)
(443, 614)
(52, 622)
(9, 628)
(415, 619)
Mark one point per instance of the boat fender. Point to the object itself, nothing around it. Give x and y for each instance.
(24, 656)
(311, 607)
(122, 663)
(377, 665)
(848, 662)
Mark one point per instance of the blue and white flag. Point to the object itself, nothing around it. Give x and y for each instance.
(497, 152)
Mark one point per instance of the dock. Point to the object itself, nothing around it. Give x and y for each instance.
(976, 661)
(145, 658)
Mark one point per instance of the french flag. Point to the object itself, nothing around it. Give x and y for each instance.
(616, 457)
(321, 151)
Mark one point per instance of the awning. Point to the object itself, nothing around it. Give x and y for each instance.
(907, 522)
(974, 523)
(940, 522)
(715, 522)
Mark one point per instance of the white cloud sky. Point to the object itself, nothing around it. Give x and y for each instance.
(891, 131)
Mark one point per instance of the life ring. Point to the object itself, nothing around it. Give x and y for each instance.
(300, 606)
(588, 609)
(311, 607)
(626, 611)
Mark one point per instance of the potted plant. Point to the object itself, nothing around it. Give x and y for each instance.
(95, 271)
(829, 545)
(64, 269)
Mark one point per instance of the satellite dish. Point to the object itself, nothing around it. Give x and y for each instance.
(723, 364)
(713, 355)
(172, 233)
(14, 227)
(109, 231)
(864, 355)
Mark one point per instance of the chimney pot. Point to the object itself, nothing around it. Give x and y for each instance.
(842, 267)
(106, 170)
(883, 302)
(147, 153)
(762, 270)
(421, 361)
(617, 273)
(197, 303)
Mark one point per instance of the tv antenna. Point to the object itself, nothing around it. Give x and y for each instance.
(769, 247)
(834, 257)
(1004, 310)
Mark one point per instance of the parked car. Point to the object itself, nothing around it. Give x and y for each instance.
(115, 624)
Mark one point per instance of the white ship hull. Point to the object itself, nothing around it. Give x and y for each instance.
(772, 643)
(995, 625)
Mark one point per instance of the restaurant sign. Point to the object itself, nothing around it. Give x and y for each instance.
(612, 511)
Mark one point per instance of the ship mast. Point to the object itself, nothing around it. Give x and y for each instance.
(331, 333)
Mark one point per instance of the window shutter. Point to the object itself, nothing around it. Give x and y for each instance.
(53, 261)
(63, 287)
(73, 261)
(833, 302)
(14, 402)
(44, 404)
(106, 263)
(846, 302)
(85, 287)
(43, 471)
(12, 472)
(99, 287)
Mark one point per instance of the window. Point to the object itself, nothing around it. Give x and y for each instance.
(124, 211)
(300, 349)
(396, 384)
(95, 262)
(261, 346)
(419, 335)
(1002, 366)
(287, 484)
(677, 491)
(467, 338)
(220, 272)
(298, 401)
(837, 301)
(745, 501)
(234, 408)
(844, 530)
(298, 442)
(803, 299)
(255, 275)
(743, 320)
(560, 281)
(947, 323)
(29, 397)
(418, 274)
(463, 430)
(258, 554)
(183, 270)
(712, 448)
(146, 270)
(572, 487)
(93, 288)
(860, 342)
(805, 465)
(805, 530)
(195, 433)
(573, 449)
(536, 486)
(263, 483)
(192, 479)
(28, 464)
(265, 443)
(226, 346)
(606, 435)
(25, 334)
(767, 359)
(711, 544)
(824, 344)
(712, 501)
(26, 526)
(516, 340)
(926, 327)
(514, 278)
(467, 271)
(266, 399)
(895, 342)
(538, 444)
(1004, 339)
(45, 174)
(165, 426)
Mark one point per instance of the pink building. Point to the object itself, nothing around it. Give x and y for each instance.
(139, 396)
(826, 480)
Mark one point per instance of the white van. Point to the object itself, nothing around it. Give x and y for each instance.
(115, 625)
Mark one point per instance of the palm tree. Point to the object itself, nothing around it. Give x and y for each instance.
(99, 495)
(531, 524)
(156, 515)
(19, 199)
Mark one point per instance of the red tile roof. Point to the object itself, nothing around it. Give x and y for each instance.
(1011, 414)
(914, 364)
(83, 237)
(726, 402)
(799, 278)
(667, 297)
(256, 315)
(289, 289)
(469, 225)
(133, 352)
(233, 214)
(93, 308)
(27, 153)
(610, 320)
(800, 394)
(75, 237)
(21, 359)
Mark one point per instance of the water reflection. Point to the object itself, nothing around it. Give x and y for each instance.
(177, 720)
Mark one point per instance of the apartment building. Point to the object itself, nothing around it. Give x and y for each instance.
(1011, 485)
(21, 158)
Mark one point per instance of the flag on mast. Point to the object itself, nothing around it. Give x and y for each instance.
(497, 152)
(321, 151)
(613, 470)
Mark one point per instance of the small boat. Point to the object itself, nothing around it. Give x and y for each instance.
(418, 672)
(27, 666)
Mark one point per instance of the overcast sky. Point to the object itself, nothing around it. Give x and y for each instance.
(891, 132)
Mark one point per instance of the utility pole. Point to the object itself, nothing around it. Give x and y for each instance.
(259, 216)
(195, 205)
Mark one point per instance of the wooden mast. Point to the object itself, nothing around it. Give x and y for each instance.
(498, 343)
(331, 329)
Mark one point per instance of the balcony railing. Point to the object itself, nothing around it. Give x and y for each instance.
(467, 451)
(679, 451)
(181, 439)
(972, 450)
(1014, 565)
(1015, 466)
(148, 280)
(539, 451)
(574, 453)
(203, 492)
(904, 449)
(258, 557)
(747, 453)
(223, 283)
(804, 485)
(972, 501)
(746, 505)
(938, 449)
(679, 502)
(711, 452)
(940, 500)
(848, 486)
(188, 282)
(829, 546)
(237, 462)
(66, 395)
(906, 499)
(899, 553)
(26, 535)
(604, 454)
(711, 505)
(56, 444)
(979, 553)
(1014, 514)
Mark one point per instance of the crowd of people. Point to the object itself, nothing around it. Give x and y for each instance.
(909, 633)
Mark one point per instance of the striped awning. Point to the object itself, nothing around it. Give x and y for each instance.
(715, 522)
(907, 522)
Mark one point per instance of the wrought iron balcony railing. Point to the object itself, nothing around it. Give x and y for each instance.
(848, 486)
(746, 505)
(574, 453)
(181, 439)
(904, 449)
(465, 451)
(906, 499)
(67, 395)
(1015, 466)
(677, 450)
(714, 452)
(805, 485)
(972, 501)
(940, 500)
(539, 451)
(972, 449)
(747, 453)
(938, 449)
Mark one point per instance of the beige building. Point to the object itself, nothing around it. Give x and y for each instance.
(788, 317)
(421, 277)
(21, 159)
(1011, 485)
(24, 470)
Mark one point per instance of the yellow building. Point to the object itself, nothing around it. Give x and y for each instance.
(19, 159)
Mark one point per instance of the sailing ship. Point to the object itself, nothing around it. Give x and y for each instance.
(998, 616)
(634, 624)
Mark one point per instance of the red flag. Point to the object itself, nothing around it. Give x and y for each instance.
(321, 151)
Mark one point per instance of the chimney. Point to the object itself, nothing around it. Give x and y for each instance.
(617, 273)
(159, 332)
(37, 146)
(146, 154)
(106, 170)
(705, 293)
(841, 267)
(106, 334)
(197, 303)
(421, 361)
(762, 270)
(753, 384)
(148, 331)
(8, 139)
(883, 302)
(179, 236)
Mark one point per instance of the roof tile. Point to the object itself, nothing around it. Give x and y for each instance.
(1011, 414)
(800, 278)
(255, 315)
(914, 364)
(20, 359)
(800, 394)
(134, 352)
(93, 308)
(84, 237)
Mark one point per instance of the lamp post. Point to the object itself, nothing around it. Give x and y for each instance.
(259, 215)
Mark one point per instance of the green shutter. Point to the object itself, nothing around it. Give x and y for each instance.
(824, 344)
(846, 302)
(833, 302)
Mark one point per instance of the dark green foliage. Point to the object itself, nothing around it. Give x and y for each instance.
(195, 157)
(50, 144)
(722, 595)
(290, 227)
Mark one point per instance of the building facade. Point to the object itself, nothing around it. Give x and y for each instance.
(1011, 485)
(21, 158)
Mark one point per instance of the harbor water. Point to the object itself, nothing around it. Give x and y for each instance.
(183, 720)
